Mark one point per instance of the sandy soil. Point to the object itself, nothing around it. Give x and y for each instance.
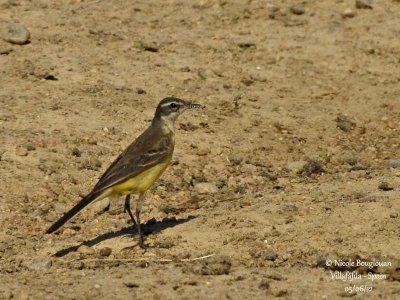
(300, 137)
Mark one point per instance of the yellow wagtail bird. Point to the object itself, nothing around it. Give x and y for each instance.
(139, 166)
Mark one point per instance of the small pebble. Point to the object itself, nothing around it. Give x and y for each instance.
(364, 4)
(131, 284)
(280, 293)
(106, 251)
(296, 166)
(205, 188)
(16, 33)
(91, 163)
(348, 13)
(184, 69)
(30, 146)
(297, 10)
(76, 152)
(270, 255)
(6, 51)
(247, 81)
(393, 163)
(78, 265)
(273, 11)
(236, 159)
(149, 46)
(21, 151)
(345, 123)
(44, 264)
(384, 186)
(85, 250)
(312, 168)
(264, 285)
(203, 151)
(140, 91)
(394, 215)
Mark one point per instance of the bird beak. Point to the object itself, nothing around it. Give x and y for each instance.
(194, 106)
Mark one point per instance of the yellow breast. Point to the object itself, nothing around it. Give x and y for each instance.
(142, 182)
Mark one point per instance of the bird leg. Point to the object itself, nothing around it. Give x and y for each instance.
(139, 229)
(127, 208)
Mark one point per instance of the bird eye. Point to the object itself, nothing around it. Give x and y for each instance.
(173, 105)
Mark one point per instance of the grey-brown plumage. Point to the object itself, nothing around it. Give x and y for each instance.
(142, 162)
(148, 150)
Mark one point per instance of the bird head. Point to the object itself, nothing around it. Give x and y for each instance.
(170, 108)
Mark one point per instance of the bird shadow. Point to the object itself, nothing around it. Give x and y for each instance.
(151, 227)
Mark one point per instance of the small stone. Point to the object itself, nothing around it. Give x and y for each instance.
(21, 151)
(30, 146)
(270, 255)
(297, 10)
(385, 186)
(99, 207)
(210, 266)
(281, 183)
(16, 33)
(205, 188)
(85, 250)
(236, 159)
(184, 69)
(348, 13)
(149, 46)
(264, 285)
(364, 4)
(280, 293)
(394, 215)
(6, 51)
(68, 232)
(203, 151)
(140, 91)
(44, 264)
(246, 45)
(143, 264)
(91, 163)
(106, 251)
(247, 81)
(131, 284)
(345, 123)
(393, 163)
(258, 76)
(275, 276)
(76, 152)
(273, 11)
(78, 265)
(248, 169)
(97, 286)
(312, 168)
(296, 166)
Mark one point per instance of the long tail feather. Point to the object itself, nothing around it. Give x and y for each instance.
(72, 212)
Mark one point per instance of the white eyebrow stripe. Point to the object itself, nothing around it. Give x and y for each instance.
(168, 103)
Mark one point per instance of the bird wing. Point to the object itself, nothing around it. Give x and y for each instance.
(148, 150)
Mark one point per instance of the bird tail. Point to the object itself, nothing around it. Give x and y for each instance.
(73, 211)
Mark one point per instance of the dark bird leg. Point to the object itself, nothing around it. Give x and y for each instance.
(127, 208)
(139, 228)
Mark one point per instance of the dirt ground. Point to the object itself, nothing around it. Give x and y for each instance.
(298, 147)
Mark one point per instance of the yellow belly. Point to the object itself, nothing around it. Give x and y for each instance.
(142, 182)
